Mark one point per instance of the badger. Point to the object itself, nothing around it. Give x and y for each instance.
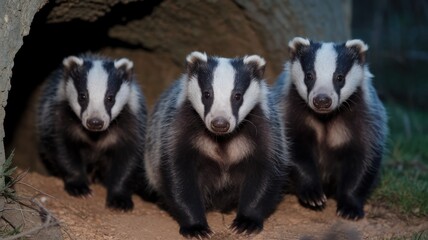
(91, 126)
(214, 143)
(335, 123)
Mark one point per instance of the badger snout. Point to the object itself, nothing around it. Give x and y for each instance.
(322, 102)
(95, 124)
(220, 125)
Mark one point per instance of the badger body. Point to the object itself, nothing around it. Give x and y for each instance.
(335, 123)
(91, 127)
(212, 145)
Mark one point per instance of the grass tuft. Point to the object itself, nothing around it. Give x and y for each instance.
(6, 171)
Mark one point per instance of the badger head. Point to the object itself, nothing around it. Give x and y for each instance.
(327, 74)
(223, 91)
(97, 89)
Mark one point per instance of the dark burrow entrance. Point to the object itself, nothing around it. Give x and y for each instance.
(42, 52)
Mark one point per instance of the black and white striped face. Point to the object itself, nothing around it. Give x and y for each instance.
(327, 74)
(97, 90)
(222, 90)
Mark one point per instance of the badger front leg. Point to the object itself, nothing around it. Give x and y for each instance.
(72, 168)
(304, 172)
(119, 180)
(355, 183)
(182, 194)
(260, 194)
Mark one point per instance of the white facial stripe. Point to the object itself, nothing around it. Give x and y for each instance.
(71, 94)
(353, 80)
(223, 84)
(367, 83)
(251, 97)
(298, 78)
(264, 95)
(194, 94)
(122, 97)
(134, 99)
(97, 88)
(325, 66)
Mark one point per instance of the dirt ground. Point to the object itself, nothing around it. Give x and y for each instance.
(89, 219)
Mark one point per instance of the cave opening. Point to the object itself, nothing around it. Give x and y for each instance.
(46, 45)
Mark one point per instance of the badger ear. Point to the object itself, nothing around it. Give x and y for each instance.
(358, 47)
(72, 62)
(124, 64)
(194, 60)
(297, 45)
(256, 64)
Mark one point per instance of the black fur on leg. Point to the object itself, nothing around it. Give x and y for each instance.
(185, 203)
(77, 188)
(246, 225)
(196, 231)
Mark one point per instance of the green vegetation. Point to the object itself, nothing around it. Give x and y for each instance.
(6, 193)
(416, 236)
(404, 185)
(6, 183)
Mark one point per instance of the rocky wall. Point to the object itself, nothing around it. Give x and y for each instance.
(156, 35)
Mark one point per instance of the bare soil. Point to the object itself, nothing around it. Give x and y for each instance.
(88, 218)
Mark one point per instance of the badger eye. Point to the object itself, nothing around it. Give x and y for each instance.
(207, 94)
(109, 98)
(82, 96)
(237, 97)
(309, 76)
(340, 78)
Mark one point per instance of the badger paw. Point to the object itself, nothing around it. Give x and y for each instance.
(77, 188)
(120, 202)
(246, 225)
(349, 209)
(196, 231)
(312, 197)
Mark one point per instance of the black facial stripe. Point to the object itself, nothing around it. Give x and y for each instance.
(79, 76)
(307, 60)
(204, 73)
(346, 58)
(115, 79)
(243, 78)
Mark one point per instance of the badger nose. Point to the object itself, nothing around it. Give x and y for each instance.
(95, 124)
(322, 101)
(220, 124)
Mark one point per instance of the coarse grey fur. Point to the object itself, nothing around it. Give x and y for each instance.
(112, 152)
(219, 189)
(336, 145)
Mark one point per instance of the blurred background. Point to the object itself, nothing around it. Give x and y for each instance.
(397, 33)
(157, 35)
